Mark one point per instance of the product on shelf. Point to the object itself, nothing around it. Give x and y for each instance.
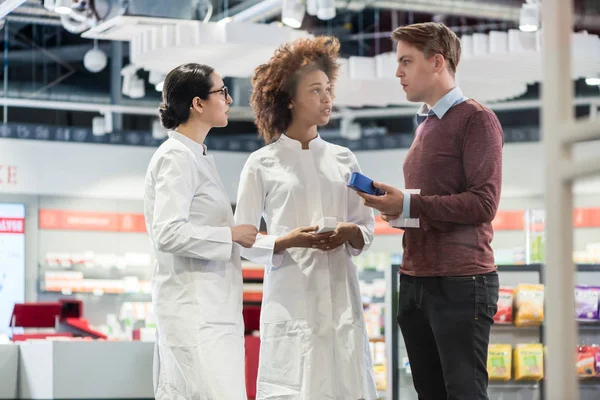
(379, 357)
(586, 361)
(529, 304)
(105, 260)
(528, 362)
(499, 363)
(597, 360)
(380, 376)
(505, 306)
(586, 303)
(374, 320)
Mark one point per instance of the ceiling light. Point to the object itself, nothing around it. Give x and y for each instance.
(312, 7)
(326, 9)
(529, 20)
(95, 60)
(159, 86)
(292, 13)
(593, 81)
(62, 7)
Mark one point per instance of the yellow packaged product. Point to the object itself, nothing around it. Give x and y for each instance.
(499, 363)
(528, 362)
(529, 304)
(380, 377)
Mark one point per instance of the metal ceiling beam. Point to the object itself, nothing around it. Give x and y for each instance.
(241, 113)
(253, 11)
(238, 8)
(8, 6)
(65, 53)
(24, 19)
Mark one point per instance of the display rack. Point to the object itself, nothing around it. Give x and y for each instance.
(393, 337)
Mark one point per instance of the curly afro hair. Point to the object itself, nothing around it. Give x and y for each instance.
(274, 83)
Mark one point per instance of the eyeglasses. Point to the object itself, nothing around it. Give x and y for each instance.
(223, 92)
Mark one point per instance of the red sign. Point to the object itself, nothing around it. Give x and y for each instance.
(384, 228)
(509, 221)
(91, 221)
(512, 221)
(586, 217)
(12, 225)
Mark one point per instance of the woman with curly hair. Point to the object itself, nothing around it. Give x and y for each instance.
(314, 344)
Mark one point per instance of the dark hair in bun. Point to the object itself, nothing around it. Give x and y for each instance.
(181, 86)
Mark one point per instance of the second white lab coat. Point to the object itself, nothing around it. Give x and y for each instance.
(197, 282)
(314, 344)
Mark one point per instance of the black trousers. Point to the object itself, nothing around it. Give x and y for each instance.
(446, 323)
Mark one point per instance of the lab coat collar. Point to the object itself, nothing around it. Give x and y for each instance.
(287, 141)
(198, 148)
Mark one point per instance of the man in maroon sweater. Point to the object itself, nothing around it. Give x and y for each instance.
(448, 282)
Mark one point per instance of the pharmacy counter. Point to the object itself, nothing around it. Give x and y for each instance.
(9, 365)
(85, 370)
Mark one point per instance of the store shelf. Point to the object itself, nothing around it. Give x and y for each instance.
(539, 268)
(588, 267)
(592, 381)
(514, 384)
(520, 268)
(589, 326)
(514, 327)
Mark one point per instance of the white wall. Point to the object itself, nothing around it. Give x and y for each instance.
(108, 171)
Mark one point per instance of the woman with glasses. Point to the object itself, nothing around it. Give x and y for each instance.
(197, 282)
(314, 343)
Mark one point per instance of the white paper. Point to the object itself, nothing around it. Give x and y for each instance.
(326, 224)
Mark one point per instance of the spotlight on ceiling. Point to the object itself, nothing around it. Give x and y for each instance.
(292, 13)
(529, 20)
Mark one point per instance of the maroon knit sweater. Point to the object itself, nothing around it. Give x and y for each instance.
(456, 161)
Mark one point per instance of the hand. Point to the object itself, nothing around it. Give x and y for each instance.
(344, 232)
(303, 237)
(389, 217)
(391, 203)
(244, 235)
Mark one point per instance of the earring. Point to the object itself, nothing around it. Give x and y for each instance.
(290, 106)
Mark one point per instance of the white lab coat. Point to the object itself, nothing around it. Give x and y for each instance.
(314, 344)
(197, 282)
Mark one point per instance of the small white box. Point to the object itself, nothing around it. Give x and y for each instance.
(326, 224)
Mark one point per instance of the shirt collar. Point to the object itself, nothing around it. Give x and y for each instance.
(288, 142)
(198, 148)
(443, 105)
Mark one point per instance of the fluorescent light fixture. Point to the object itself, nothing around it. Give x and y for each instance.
(63, 7)
(292, 13)
(326, 9)
(593, 81)
(312, 7)
(529, 20)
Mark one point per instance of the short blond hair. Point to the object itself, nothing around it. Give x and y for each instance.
(431, 38)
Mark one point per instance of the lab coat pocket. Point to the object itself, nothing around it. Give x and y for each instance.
(283, 353)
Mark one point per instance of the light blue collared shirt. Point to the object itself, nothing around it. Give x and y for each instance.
(450, 99)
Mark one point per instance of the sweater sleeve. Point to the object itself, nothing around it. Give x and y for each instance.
(482, 165)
